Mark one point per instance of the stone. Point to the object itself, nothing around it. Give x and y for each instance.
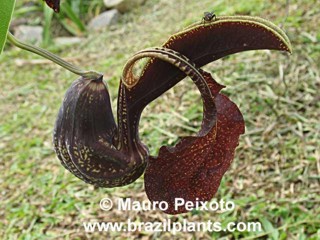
(112, 3)
(104, 20)
(66, 41)
(123, 5)
(29, 34)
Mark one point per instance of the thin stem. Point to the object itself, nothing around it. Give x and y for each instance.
(54, 58)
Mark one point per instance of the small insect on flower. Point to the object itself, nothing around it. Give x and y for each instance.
(209, 16)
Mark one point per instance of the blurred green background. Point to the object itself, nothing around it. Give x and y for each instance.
(275, 176)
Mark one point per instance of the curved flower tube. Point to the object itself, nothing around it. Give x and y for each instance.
(86, 138)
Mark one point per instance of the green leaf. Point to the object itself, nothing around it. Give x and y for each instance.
(48, 15)
(6, 10)
(69, 12)
(272, 232)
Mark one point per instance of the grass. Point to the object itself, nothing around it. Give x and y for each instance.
(275, 176)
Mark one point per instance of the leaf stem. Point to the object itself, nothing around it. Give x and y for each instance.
(54, 58)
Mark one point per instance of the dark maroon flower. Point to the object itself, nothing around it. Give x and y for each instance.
(94, 148)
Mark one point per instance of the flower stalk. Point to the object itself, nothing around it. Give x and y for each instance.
(54, 58)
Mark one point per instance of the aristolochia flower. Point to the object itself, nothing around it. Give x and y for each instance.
(97, 150)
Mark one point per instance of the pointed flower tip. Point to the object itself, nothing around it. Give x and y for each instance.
(54, 4)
